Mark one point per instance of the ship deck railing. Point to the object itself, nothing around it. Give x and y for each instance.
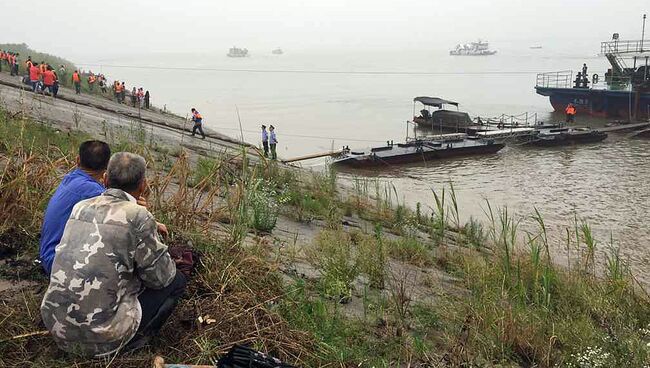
(625, 47)
(559, 79)
(566, 79)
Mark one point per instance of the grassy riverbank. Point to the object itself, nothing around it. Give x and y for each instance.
(321, 275)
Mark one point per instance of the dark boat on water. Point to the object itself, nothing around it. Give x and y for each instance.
(623, 91)
(417, 150)
(441, 118)
(566, 136)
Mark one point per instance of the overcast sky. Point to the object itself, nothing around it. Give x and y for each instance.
(90, 29)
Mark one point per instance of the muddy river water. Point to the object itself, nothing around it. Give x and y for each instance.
(321, 100)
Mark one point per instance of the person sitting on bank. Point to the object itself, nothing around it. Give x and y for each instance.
(113, 282)
(198, 123)
(570, 113)
(86, 181)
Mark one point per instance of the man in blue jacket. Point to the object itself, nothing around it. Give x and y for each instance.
(82, 183)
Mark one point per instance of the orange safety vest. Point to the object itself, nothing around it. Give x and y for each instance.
(75, 77)
(48, 78)
(570, 110)
(34, 73)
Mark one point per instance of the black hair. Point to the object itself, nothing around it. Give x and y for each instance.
(193, 109)
(94, 155)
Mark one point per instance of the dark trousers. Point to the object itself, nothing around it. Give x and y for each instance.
(198, 126)
(266, 148)
(274, 155)
(570, 118)
(50, 89)
(77, 87)
(158, 305)
(34, 85)
(55, 89)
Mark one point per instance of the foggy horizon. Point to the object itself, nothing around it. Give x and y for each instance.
(127, 28)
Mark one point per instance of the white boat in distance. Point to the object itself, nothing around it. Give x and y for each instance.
(479, 48)
(237, 52)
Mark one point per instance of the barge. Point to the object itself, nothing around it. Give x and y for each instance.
(416, 150)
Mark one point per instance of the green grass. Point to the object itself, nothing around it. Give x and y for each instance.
(502, 300)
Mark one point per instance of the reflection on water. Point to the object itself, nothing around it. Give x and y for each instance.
(604, 184)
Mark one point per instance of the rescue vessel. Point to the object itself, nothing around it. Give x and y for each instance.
(623, 91)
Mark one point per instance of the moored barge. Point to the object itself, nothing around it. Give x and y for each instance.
(417, 150)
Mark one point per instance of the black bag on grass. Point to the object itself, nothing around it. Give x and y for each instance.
(244, 357)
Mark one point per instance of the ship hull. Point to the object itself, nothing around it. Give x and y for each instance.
(438, 154)
(569, 139)
(601, 103)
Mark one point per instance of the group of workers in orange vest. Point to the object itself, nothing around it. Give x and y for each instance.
(10, 59)
(42, 77)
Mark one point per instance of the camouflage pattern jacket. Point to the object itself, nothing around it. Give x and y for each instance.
(110, 250)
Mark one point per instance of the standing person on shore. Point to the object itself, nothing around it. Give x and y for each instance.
(91, 81)
(570, 113)
(76, 81)
(55, 87)
(265, 141)
(14, 64)
(62, 72)
(140, 97)
(134, 96)
(28, 64)
(123, 92)
(48, 80)
(34, 75)
(198, 123)
(147, 96)
(273, 143)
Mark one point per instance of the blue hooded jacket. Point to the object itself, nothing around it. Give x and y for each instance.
(75, 187)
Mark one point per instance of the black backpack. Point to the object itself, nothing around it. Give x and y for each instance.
(244, 357)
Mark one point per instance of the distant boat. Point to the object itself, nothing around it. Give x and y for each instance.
(277, 51)
(535, 47)
(237, 52)
(479, 48)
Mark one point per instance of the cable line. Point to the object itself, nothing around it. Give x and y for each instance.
(306, 71)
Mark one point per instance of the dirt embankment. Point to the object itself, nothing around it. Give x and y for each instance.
(99, 116)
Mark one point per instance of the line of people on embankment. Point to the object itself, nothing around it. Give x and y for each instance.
(9, 60)
(138, 97)
(46, 77)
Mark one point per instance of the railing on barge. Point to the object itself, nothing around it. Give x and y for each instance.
(561, 79)
(566, 79)
(625, 47)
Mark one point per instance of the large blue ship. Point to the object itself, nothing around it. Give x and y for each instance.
(622, 92)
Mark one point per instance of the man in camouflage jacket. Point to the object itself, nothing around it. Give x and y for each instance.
(112, 277)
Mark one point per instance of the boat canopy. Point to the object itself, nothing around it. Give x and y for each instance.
(434, 101)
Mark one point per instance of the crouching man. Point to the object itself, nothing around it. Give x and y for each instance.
(113, 283)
